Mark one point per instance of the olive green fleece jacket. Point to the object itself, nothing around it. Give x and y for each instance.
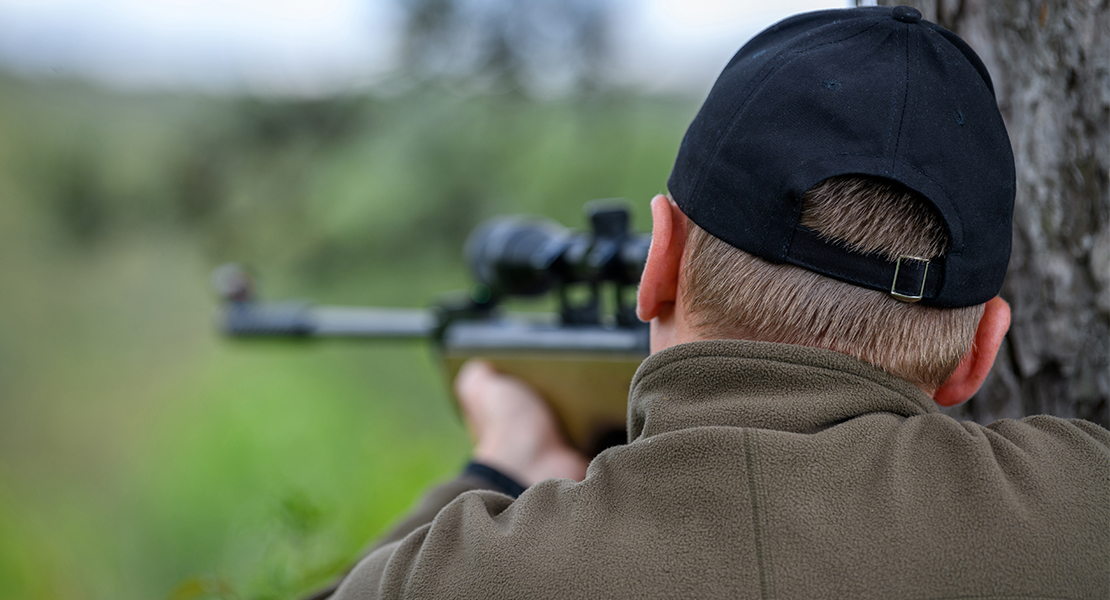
(760, 470)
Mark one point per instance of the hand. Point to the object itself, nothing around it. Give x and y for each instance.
(515, 431)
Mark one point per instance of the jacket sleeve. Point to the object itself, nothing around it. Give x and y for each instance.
(446, 553)
(475, 477)
(429, 506)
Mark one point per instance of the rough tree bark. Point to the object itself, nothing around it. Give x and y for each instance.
(1050, 61)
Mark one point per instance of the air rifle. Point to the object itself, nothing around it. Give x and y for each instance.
(581, 359)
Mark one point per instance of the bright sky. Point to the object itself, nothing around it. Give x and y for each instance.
(316, 46)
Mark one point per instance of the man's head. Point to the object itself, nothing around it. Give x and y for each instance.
(849, 185)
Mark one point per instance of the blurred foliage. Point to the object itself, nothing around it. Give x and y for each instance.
(142, 457)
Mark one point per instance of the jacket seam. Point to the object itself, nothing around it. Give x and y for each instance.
(759, 523)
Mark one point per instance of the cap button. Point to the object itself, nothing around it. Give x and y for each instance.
(906, 14)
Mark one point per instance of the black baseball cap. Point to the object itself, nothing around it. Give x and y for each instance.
(873, 91)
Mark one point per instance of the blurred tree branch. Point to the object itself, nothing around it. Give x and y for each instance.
(520, 47)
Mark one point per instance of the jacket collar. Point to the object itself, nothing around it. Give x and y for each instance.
(735, 383)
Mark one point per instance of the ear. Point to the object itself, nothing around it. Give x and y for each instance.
(976, 364)
(659, 282)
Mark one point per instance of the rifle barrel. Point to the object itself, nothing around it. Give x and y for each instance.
(304, 320)
(532, 332)
(351, 321)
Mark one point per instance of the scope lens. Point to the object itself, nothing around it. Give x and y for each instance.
(512, 255)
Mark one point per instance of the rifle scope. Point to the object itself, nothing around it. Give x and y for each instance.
(528, 256)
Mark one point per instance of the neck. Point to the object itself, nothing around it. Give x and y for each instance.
(673, 327)
(670, 328)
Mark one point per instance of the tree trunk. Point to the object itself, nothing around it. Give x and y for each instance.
(1050, 62)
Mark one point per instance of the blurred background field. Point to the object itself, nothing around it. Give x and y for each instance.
(141, 456)
(138, 451)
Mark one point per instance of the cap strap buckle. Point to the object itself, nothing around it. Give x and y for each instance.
(909, 278)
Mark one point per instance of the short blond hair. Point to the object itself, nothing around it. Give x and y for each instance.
(729, 293)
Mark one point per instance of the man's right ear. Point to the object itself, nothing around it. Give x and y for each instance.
(659, 282)
(977, 363)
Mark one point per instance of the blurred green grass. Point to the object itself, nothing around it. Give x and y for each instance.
(143, 457)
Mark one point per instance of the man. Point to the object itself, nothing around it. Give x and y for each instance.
(825, 275)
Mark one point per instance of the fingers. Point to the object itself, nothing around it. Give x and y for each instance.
(472, 378)
(492, 401)
(514, 430)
